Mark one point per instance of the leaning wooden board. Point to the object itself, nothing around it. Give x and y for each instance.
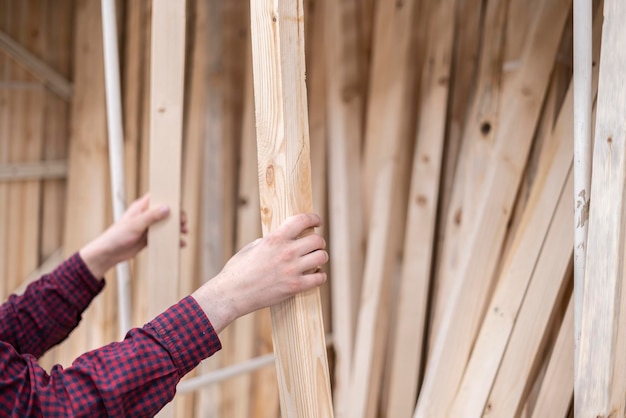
(285, 190)
(462, 318)
(601, 369)
(166, 129)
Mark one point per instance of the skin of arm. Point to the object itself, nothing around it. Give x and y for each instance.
(265, 272)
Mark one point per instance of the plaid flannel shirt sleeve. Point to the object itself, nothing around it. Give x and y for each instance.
(133, 378)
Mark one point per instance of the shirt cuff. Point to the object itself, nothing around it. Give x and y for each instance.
(187, 334)
(82, 285)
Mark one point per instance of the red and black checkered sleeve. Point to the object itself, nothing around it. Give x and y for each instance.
(49, 309)
(135, 377)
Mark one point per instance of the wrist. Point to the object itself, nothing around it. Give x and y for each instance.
(217, 306)
(97, 258)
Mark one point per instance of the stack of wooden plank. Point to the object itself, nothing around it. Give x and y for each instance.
(441, 156)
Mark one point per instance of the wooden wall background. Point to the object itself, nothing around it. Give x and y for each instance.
(441, 138)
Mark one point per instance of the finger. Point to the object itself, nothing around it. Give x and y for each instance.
(309, 243)
(313, 260)
(183, 243)
(295, 225)
(139, 205)
(183, 217)
(312, 280)
(153, 215)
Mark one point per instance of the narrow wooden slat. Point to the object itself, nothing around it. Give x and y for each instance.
(166, 111)
(600, 371)
(192, 166)
(557, 388)
(166, 119)
(237, 392)
(285, 189)
(583, 40)
(387, 94)
(422, 212)
(344, 119)
(51, 78)
(33, 171)
(514, 134)
(552, 271)
(383, 181)
(517, 270)
(86, 204)
(478, 138)
(213, 222)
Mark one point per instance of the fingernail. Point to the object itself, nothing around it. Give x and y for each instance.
(165, 209)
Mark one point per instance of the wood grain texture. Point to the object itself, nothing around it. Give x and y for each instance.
(344, 121)
(476, 146)
(166, 130)
(285, 189)
(412, 299)
(551, 273)
(461, 321)
(557, 388)
(384, 192)
(601, 369)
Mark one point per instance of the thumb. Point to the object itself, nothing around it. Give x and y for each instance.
(153, 215)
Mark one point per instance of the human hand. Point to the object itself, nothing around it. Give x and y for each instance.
(266, 272)
(126, 237)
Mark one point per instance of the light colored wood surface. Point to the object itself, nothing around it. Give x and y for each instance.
(51, 78)
(344, 120)
(461, 321)
(600, 374)
(476, 146)
(406, 366)
(285, 189)
(386, 139)
(549, 278)
(166, 130)
(557, 388)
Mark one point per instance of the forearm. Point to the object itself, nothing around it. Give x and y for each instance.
(49, 309)
(136, 377)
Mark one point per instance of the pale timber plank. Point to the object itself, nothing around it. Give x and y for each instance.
(557, 388)
(285, 189)
(387, 95)
(86, 204)
(478, 138)
(383, 181)
(552, 271)
(422, 212)
(600, 373)
(344, 125)
(193, 136)
(213, 222)
(467, 300)
(166, 129)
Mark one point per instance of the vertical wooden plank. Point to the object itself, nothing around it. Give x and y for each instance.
(344, 120)
(601, 375)
(213, 235)
(461, 321)
(556, 392)
(26, 107)
(550, 276)
(387, 95)
(86, 205)
(422, 212)
(193, 135)
(285, 189)
(478, 138)
(166, 119)
(386, 152)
